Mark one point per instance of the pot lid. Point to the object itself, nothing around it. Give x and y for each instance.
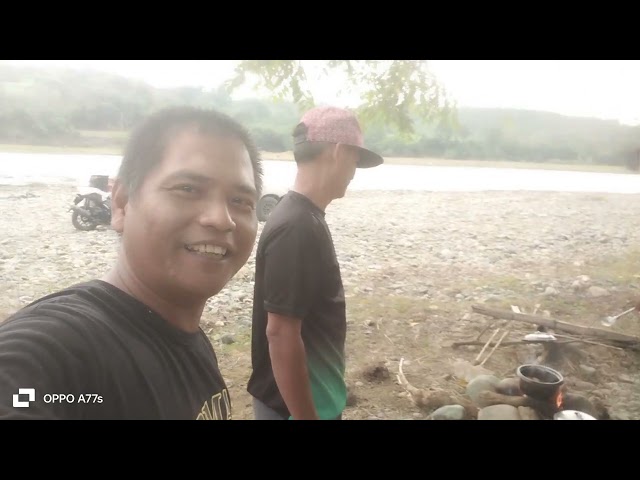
(572, 415)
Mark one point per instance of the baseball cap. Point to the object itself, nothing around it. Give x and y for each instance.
(336, 125)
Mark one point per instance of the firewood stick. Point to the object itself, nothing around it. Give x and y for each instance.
(504, 344)
(484, 330)
(495, 346)
(628, 341)
(577, 339)
(515, 342)
(475, 362)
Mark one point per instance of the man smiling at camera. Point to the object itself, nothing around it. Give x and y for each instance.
(184, 206)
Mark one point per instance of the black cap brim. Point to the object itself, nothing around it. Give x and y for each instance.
(369, 159)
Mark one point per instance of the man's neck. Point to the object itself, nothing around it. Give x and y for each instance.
(185, 317)
(309, 184)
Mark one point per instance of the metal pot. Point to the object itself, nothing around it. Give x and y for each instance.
(572, 415)
(539, 382)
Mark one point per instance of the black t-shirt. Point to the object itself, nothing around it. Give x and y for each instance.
(298, 275)
(112, 354)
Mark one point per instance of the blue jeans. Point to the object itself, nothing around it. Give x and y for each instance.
(263, 412)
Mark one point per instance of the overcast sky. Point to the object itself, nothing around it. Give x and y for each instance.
(608, 89)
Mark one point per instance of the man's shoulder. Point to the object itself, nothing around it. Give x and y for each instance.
(292, 214)
(301, 228)
(80, 306)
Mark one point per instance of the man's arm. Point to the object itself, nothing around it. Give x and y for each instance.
(289, 363)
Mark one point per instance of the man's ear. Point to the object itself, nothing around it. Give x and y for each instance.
(336, 153)
(119, 202)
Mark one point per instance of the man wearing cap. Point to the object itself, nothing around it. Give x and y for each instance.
(299, 320)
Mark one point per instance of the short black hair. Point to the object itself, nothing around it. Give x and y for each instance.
(306, 151)
(147, 144)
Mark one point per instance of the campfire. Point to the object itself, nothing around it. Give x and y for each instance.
(536, 392)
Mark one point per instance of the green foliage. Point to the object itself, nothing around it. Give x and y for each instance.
(394, 92)
(284, 78)
(61, 107)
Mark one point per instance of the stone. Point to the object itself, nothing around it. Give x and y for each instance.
(509, 386)
(499, 412)
(528, 413)
(587, 371)
(448, 412)
(227, 339)
(598, 292)
(480, 384)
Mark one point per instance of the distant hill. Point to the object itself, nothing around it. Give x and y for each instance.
(55, 106)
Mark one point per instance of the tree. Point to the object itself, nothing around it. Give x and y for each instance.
(394, 92)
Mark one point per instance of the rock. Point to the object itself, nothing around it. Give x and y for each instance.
(481, 384)
(625, 379)
(492, 298)
(577, 286)
(359, 384)
(574, 401)
(620, 415)
(219, 323)
(598, 292)
(448, 412)
(447, 254)
(580, 385)
(528, 413)
(509, 386)
(587, 371)
(227, 339)
(499, 412)
(550, 291)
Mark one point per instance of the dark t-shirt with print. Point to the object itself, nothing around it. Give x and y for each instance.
(297, 275)
(118, 359)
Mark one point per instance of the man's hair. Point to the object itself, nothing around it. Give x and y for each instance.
(147, 144)
(306, 151)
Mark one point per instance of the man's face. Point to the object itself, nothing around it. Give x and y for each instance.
(192, 224)
(346, 159)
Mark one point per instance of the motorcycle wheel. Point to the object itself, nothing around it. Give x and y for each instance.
(82, 223)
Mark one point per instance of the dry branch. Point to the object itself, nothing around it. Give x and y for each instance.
(504, 344)
(494, 347)
(606, 336)
(433, 399)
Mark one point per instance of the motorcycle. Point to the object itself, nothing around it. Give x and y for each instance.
(91, 207)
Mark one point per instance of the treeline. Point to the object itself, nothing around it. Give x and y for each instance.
(67, 107)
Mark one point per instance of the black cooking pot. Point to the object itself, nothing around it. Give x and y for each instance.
(539, 382)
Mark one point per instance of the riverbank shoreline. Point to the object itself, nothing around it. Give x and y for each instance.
(288, 156)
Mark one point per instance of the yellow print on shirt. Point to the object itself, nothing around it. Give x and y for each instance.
(218, 408)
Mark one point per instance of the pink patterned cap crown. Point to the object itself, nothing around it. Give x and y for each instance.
(336, 125)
